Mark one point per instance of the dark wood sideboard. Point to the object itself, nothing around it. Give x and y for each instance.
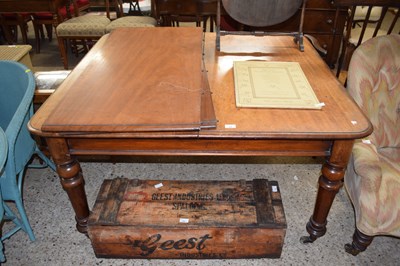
(319, 21)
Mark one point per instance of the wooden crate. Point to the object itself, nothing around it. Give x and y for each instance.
(188, 219)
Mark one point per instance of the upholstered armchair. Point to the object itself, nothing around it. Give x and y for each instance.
(373, 176)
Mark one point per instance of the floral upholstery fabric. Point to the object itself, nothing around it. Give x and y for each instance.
(131, 21)
(86, 26)
(373, 175)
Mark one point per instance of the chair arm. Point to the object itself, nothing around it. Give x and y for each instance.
(367, 165)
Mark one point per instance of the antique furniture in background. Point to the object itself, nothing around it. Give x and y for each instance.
(172, 12)
(319, 20)
(10, 22)
(373, 175)
(127, 20)
(256, 13)
(69, 31)
(17, 87)
(87, 29)
(357, 31)
(50, 20)
(46, 20)
(134, 8)
(321, 23)
(329, 132)
(28, 7)
(80, 30)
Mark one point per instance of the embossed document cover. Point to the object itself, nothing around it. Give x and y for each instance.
(273, 85)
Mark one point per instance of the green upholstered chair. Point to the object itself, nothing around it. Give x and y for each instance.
(373, 176)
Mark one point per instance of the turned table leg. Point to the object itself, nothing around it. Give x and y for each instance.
(330, 181)
(71, 179)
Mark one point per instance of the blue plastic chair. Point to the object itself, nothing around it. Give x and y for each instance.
(17, 87)
(3, 157)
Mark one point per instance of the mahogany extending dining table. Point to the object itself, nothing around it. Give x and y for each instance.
(328, 132)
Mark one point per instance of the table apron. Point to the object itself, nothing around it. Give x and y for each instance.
(201, 147)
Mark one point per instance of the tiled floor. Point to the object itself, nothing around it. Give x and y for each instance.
(58, 243)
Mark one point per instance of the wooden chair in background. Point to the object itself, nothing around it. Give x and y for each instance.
(10, 23)
(80, 30)
(370, 24)
(134, 8)
(123, 21)
(85, 30)
(171, 13)
(49, 20)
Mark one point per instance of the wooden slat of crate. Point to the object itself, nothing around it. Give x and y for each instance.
(187, 219)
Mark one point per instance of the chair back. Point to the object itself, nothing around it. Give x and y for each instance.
(134, 7)
(367, 19)
(117, 5)
(374, 83)
(16, 89)
(172, 12)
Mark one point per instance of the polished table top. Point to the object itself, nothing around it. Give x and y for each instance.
(147, 86)
(339, 118)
